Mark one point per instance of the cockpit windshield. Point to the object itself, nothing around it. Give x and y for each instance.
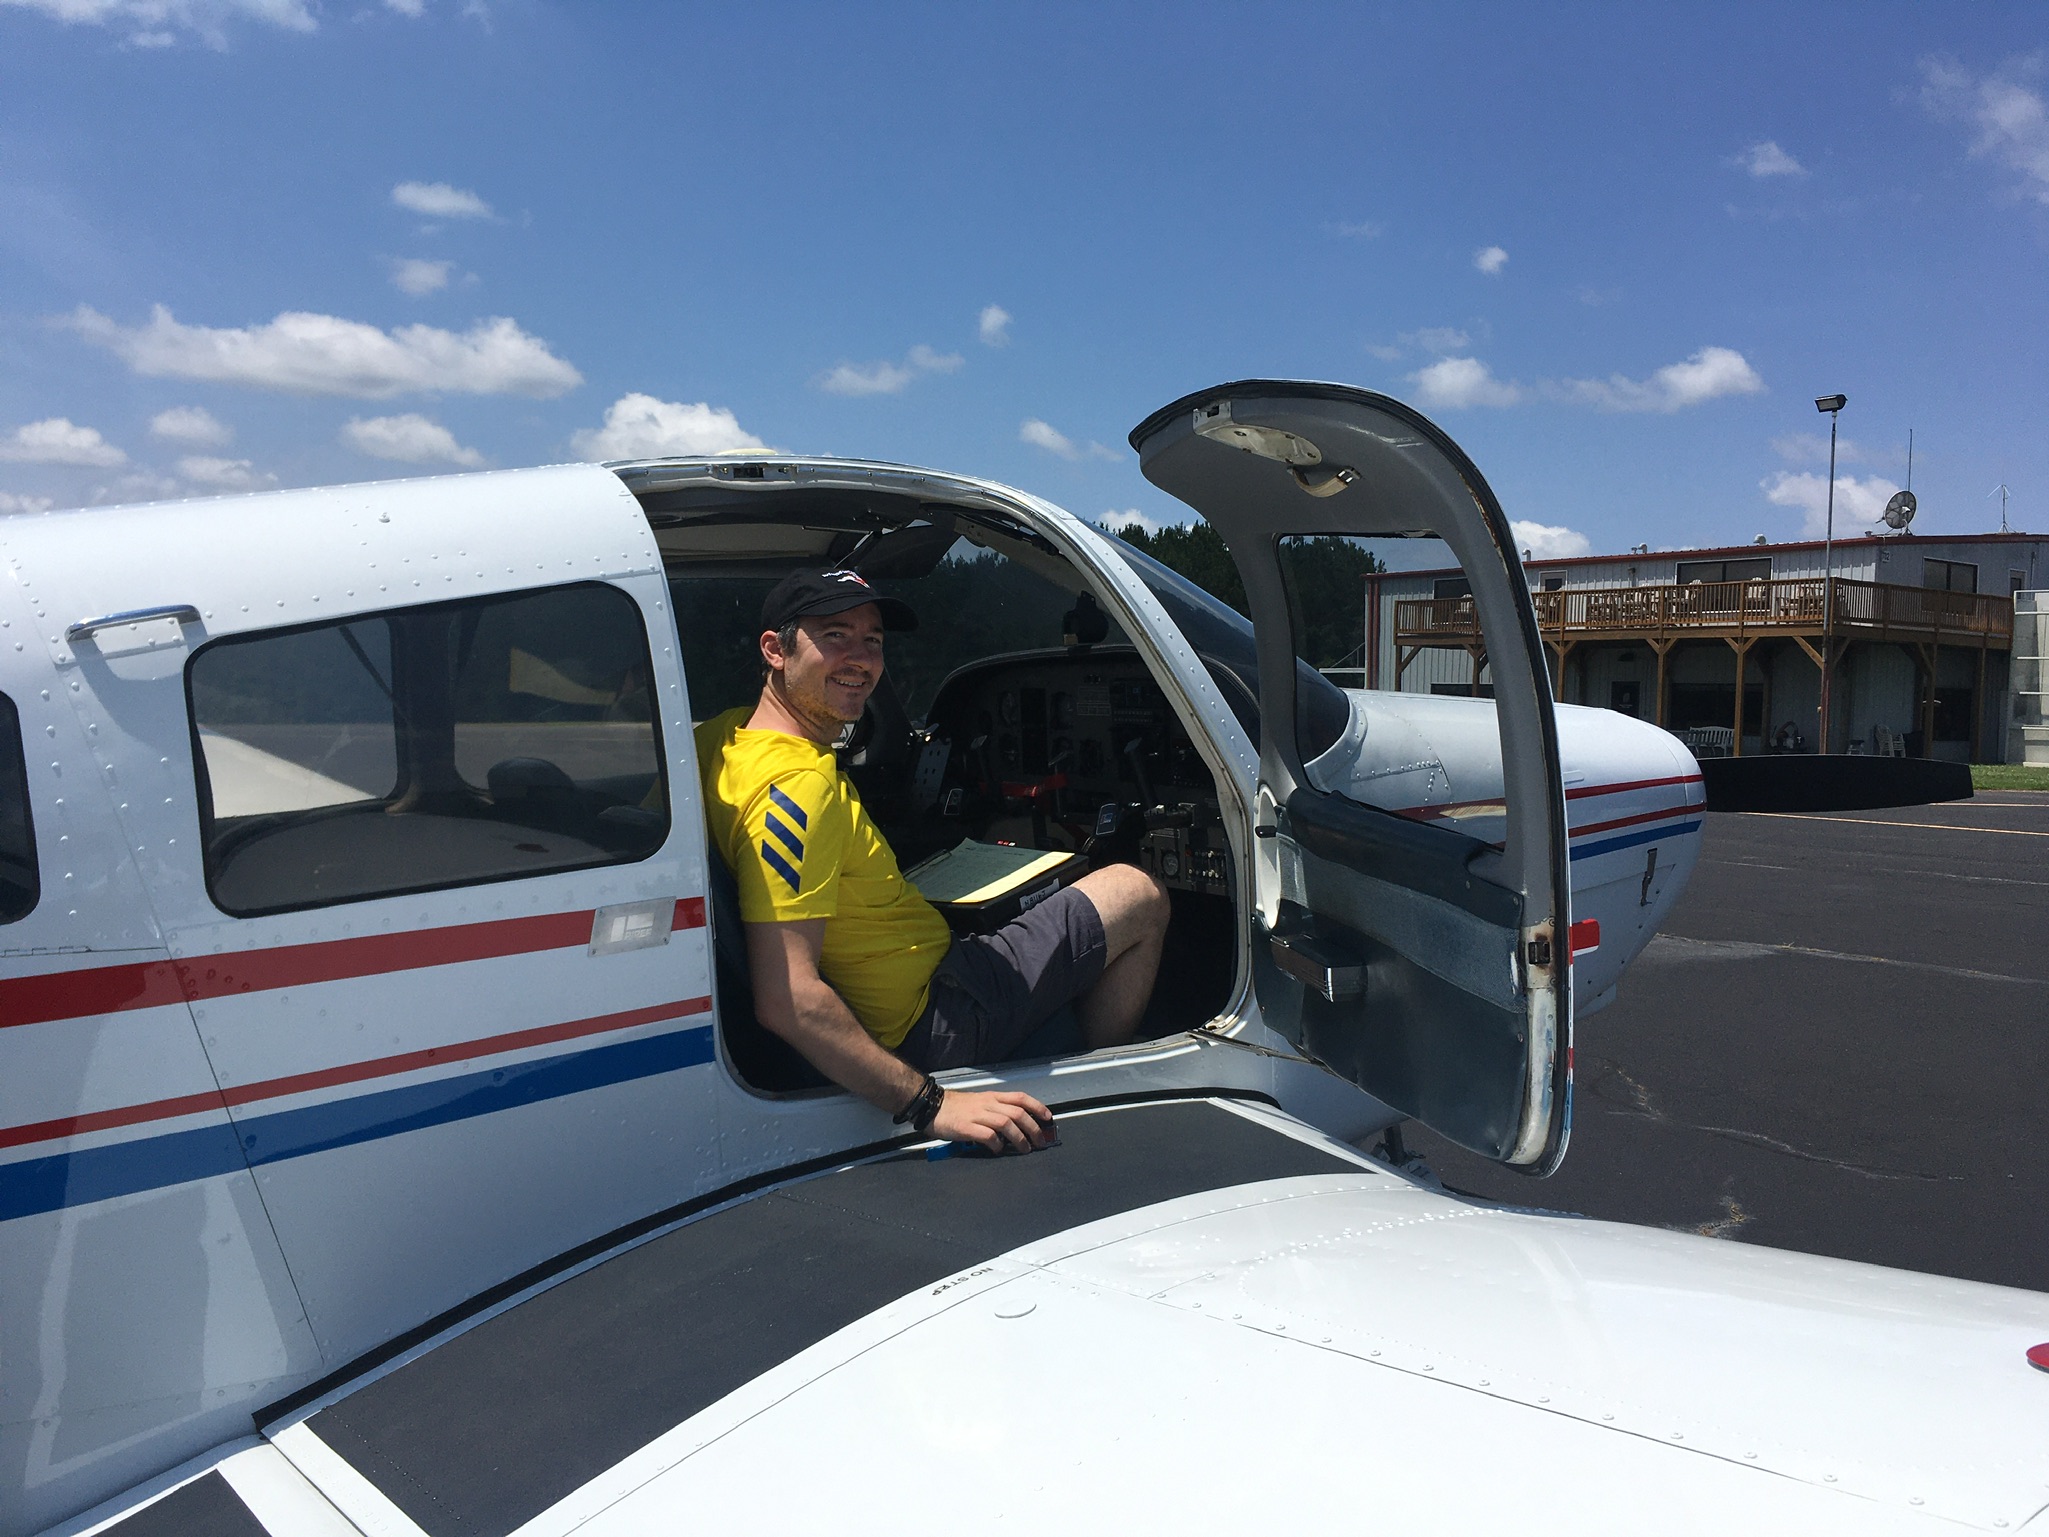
(1223, 638)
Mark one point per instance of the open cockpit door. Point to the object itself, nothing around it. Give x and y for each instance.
(1427, 965)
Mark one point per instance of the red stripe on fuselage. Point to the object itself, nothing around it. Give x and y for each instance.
(149, 984)
(1432, 813)
(1634, 784)
(350, 1072)
(1647, 816)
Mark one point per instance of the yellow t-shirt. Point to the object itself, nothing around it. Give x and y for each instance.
(800, 845)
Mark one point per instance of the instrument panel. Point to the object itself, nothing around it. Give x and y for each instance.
(1070, 738)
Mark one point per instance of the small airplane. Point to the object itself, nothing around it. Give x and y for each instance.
(387, 1145)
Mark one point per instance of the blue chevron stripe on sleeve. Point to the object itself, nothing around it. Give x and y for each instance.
(781, 866)
(795, 811)
(785, 837)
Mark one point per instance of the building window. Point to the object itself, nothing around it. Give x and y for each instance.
(1451, 587)
(428, 747)
(1463, 690)
(19, 883)
(1949, 575)
(1750, 569)
(1553, 582)
(2016, 580)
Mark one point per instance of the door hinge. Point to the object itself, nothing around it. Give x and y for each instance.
(1538, 951)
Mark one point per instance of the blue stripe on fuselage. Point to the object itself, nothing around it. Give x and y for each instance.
(85, 1175)
(1631, 840)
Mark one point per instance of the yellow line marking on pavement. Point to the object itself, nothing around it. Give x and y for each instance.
(1809, 816)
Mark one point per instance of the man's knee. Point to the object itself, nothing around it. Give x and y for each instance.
(1132, 904)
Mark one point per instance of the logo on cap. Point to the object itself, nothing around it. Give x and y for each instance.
(845, 576)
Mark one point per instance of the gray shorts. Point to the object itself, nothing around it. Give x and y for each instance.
(993, 990)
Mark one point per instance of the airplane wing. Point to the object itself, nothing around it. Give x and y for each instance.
(1193, 1315)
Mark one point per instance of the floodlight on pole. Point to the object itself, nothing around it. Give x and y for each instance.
(1831, 404)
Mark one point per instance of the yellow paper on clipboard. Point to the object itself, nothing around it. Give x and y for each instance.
(979, 872)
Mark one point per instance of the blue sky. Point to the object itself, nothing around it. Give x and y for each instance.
(1615, 250)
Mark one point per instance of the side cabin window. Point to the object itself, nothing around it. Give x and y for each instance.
(427, 747)
(19, 884)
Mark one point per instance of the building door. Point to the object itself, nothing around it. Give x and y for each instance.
(1626, 695)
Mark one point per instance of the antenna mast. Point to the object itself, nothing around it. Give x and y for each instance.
(2000, 491)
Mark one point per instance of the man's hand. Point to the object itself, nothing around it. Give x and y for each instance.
(995, 1122)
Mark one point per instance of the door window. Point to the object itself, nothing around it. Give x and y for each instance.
(427, 747)
(19, 884)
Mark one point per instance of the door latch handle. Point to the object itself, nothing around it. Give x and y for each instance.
(184, 613)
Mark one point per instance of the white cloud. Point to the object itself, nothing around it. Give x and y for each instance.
(1709, 374)
(409, 439)
(924, 359)
(9, 502)
(2012, 121)
(139, 486)
(223, 474)
(993, 326)
(642, 427)
(58, 440)
(1812, 448)
(417, 276)
(1490, 260)
(311, 354)
(411, 9)
(883, 378)
(1045, 435)
(158, 23)
(191, 424)
(887, 377)
(1856, 500)
(1546, 542)
(1439, 339)
(1115, 520)
(1765, 158)
(438, 200)
(1455, 383)
(1362, 229)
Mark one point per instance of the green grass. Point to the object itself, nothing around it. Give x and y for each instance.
(2009, 776)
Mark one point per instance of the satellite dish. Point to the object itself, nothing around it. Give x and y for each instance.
(1899, 512)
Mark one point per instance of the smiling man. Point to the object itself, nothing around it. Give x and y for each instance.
(850, 964)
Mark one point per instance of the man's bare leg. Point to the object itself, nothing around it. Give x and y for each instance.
(1133, 908)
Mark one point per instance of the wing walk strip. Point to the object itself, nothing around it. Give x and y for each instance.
(508, 1419)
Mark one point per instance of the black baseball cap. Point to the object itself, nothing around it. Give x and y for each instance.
(813, 592)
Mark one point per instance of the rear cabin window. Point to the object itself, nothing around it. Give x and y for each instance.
(425, 748)
(19, 885)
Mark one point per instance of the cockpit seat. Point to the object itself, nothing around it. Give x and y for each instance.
(760, 1056)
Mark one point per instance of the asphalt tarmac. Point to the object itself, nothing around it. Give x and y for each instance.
(1838, 1043)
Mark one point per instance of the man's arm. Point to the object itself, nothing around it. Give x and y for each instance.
(794, 1001)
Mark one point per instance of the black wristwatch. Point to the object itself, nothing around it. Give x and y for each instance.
(923, 1109)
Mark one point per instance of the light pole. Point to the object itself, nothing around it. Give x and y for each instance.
(1831, 404)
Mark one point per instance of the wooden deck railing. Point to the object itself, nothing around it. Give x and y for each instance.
(1868, 610)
